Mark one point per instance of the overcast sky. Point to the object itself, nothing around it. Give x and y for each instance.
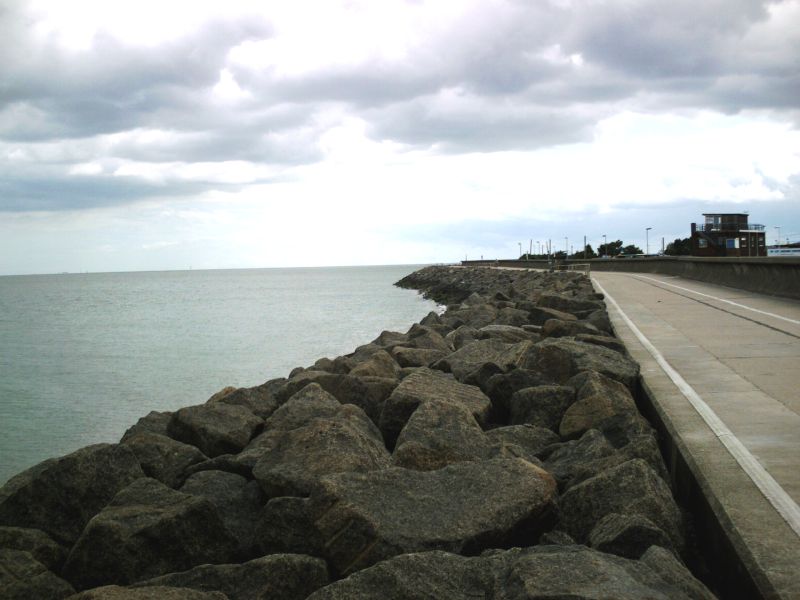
(172, 135)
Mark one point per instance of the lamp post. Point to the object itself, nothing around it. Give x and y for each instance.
(566, 248)
(647, 242)
(778, 227)
(520, 249)
(605, 245)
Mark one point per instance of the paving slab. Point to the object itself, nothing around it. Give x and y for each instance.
(740, 354)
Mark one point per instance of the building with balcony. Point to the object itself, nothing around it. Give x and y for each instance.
(728, 234)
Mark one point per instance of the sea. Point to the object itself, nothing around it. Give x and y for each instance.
(83, 356)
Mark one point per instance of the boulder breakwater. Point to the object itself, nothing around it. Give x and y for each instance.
(494, 450)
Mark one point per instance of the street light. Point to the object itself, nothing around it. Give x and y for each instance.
(566, 247)
(778, 227)
(605, 245)
(520, 249)
(647, 237)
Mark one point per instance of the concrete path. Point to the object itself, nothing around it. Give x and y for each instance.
(723, 366)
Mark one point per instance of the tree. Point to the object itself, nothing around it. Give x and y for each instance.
(680, 247)
(631, 249)
(610, 249)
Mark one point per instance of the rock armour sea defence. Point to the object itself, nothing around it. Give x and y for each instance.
(493, 450)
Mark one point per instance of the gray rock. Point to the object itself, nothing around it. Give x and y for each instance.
(475, 316)
(260, 400)
(426, 385)
(462, 336)
(347, 389)
(238, 502)
(115, 592)
(602, 340)
(568, 304)
(627, 535)
(22, 577)
(507, 333)
(284, 576)
(465, 507)
(420, 336)
(577, 460)
(499, 388)
(632, 488)
(153, 422)
(425, 575)
(162, 457)
(215, 428)
(468, 358)
(598, 398)
(380, 364)
(287, 526)
(432, 318)
(416, 357)
(40, 545)
(543, 405)
(530, 438)
(296, 459)
(310, 402)
(512, 316)
(539, 315)
(599, 318)
(559, 328)
(147, 530)
(388, 339)
(60, 495)
(438, 434)
(671, 570)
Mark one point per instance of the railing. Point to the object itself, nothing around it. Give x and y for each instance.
(585, 268)
(706, 227)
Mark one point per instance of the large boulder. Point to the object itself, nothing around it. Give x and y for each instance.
(215, 428)
(286, 525)
(561, 328)
(508, 334)
(116, 592)
(60, 495)
(426, 385)
(539, 315)
(512, 316)
(530, 438)
(543, 405)
(296, 459)
(568, 304)
(283, 576)
(237, 500)
(462, 336)
(631, 488)
(598, 398)
(380, 364)
(260, 400)
(627, 535)
(464, 508)
(501, 386)
(147, 530)
(162, 457)
(438, 434)
(543, 572)
(40, 545)
(152, 422)
(346, 388)
(416, 357)
(22, 577)
(468, 358)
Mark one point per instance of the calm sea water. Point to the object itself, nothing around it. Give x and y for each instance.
(83, 356)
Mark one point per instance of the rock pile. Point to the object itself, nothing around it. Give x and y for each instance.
(493, 450)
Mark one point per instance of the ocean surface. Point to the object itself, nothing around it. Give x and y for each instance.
(83, 356)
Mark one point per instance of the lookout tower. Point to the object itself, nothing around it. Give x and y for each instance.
(728, 234)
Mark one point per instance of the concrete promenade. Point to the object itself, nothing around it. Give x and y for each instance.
(722, 368)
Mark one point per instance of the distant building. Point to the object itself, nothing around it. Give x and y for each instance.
(728, 234)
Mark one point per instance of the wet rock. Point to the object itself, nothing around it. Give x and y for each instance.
(632, 488)
(22, 577)
(238, 502)
(215, 428)
(163, 458)
(543, 405)
(627, 535)
(598, 398)
(286, 525)
(40, 545)
(284, 576)
(426, 385)
(60, 495)
(463, 508)
(438, 434)
(297, 458)
(115, 592)
(465, 360)
(147, 530)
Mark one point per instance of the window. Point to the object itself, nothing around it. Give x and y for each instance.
(702, 243)
(730, 243)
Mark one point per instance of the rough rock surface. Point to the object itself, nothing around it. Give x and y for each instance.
(22, 577)
(543, 406)
(162, 457)
(468, 358)
(463, 508)
(115, 592)
(426, 385)
(216, 428)
(147, 530)
(627, 535)
(60, 495)
(598, 398)
(284, 576)
(40, 545)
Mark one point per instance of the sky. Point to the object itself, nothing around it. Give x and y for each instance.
(174, 135)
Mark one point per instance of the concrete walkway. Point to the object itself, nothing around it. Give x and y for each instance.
(723, 367)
